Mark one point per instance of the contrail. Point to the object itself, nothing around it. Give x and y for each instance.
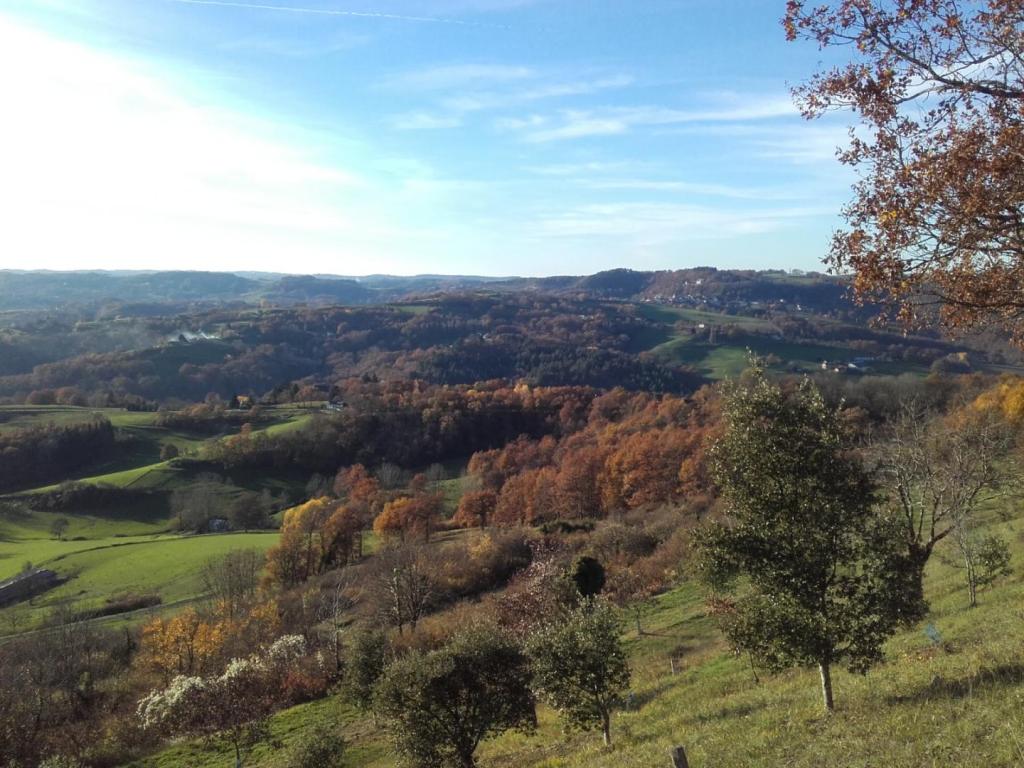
(330, 12)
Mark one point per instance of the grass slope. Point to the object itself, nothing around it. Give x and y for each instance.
(957, 703)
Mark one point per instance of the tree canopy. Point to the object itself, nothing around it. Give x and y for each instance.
(938, 86)
(442, 704)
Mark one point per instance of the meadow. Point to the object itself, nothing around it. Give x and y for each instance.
(109, 553)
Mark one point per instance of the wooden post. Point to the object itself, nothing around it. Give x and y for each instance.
(679, 758)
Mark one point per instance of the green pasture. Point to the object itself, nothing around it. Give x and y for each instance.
(663, 313)
(98, 569)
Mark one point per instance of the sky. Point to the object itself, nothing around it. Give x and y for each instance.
(486, 137)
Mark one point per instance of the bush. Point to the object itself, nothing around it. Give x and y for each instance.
(320, 747)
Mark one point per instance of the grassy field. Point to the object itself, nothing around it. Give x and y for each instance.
(728, 357)
(122, 550)
(953, 703)
(101, 568)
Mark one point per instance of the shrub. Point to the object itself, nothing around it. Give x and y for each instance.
(320, 747)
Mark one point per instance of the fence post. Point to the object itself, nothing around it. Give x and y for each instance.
(679, 758)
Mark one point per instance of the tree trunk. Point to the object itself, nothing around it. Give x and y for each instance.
(606, 727)
(826, 685)
(972, 578)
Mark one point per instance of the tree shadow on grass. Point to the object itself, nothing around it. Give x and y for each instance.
(940, 687)
(721, 713)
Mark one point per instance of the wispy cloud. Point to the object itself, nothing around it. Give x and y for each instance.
(692, 188)
(330, 12)
(477, 101)
(571, 124)
(424, 121)
(661, 222)
(468, 88)
(579, 169)
(458, 76)
(296, 48)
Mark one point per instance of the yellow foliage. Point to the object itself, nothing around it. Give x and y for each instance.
(1006, 397)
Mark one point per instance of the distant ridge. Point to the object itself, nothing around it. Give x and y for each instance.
(40, 290)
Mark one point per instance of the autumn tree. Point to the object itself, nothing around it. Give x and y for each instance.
(475, 509)
(580, 666)
(441, 705)
(299, 553)
(183, 644)
(820, 584)
(937, 213)
(409, 516)
(341, 537)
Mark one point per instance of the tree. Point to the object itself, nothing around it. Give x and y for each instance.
(588, 575)
(195, 505)
(823, 580)
(938, 472)
(937, 212)
(475, 509)
(409, 515)
(59, 527)
(984, 559)
(634, 593)
(367, 657)
(405, 592)
(232, 707)
(231, 580)
(579, 666)
(440, 705)
(250, 510)
(299, 553)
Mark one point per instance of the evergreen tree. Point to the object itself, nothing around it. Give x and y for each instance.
(824, 581)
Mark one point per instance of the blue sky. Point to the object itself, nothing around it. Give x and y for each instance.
(493, 137)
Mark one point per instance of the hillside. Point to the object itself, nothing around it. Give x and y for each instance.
(952, 691)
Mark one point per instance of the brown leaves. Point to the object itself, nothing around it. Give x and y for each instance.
(939, 211)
